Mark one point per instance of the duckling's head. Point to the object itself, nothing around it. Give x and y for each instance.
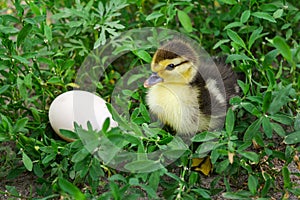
(173, 63)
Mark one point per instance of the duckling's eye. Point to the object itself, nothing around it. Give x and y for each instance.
(170, 67)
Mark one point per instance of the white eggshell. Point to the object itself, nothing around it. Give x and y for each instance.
(80, 107)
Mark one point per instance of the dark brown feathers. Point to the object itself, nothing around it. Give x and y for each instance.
(175, 49)
(229, 78)
(227, 87)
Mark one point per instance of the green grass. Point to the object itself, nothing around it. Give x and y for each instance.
(44, 43)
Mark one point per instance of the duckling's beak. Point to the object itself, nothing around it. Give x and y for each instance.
(152, 80)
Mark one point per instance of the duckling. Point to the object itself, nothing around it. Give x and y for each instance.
(188, 92)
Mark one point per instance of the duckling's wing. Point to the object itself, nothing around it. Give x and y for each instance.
(229, 78)
(216, 87)
(204, 99)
